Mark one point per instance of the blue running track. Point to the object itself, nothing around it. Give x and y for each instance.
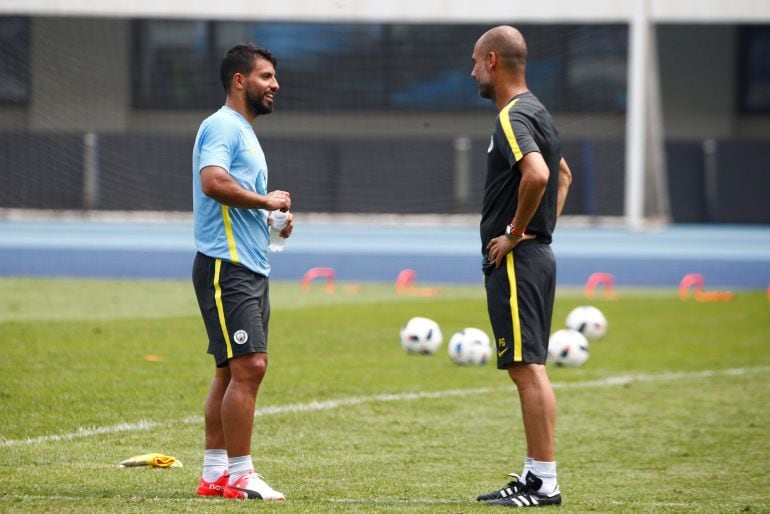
(728, 256)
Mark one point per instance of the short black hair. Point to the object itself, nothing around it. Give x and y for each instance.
(240, 59)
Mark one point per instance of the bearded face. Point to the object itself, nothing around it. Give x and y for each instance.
(486, 90)
(480, 73)
(260, 87)
(259, 101)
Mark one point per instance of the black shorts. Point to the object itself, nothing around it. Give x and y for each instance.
(235, 306)
(520, 295)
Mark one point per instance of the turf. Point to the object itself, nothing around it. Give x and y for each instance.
(670, 413)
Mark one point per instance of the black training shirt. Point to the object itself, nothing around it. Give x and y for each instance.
(523, 126)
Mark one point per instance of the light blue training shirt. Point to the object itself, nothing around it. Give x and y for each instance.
(240, 236)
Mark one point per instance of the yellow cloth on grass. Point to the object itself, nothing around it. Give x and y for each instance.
(155, 460)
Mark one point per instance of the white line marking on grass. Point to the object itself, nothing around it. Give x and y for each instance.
(126, 499)
(83, 432)
(317, 406)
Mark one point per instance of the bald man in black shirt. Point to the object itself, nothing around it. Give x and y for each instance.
(526, 186)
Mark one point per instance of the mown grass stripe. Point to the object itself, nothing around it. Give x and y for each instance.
(325, 405)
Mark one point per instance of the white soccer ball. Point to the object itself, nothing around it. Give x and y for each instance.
(421, 335)
(589, 321)
(470, 346)
(567, 347)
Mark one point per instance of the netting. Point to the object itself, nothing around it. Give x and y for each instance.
(371, 117)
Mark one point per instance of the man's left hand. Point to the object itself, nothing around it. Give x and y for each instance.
(286, 232)
(500, 246)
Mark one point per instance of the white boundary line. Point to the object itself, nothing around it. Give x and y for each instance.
(325, 405)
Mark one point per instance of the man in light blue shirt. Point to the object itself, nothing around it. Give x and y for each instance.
(227, 141)
(231, 207)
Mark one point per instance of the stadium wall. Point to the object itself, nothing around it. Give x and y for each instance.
(698, 83)
(696, 54)
(697, 67)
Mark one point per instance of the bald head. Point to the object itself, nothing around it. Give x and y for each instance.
(508, 44)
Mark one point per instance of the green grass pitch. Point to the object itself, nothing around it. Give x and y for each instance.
(670, 414)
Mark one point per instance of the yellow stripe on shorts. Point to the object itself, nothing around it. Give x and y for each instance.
(517, 357)
(505, 121)
(220, 307)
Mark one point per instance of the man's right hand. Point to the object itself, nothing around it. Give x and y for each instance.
(278, 200)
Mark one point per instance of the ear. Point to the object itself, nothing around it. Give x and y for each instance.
(238, 81)
(491, 60)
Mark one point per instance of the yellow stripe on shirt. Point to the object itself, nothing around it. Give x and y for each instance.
(505, 121)
(514, 308)
(229, 234)
(220, 307)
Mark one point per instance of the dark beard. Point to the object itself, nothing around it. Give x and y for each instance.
(256, 104)
(485, 91)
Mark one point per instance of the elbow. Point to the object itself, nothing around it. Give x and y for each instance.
(210, 188)
(211, 192)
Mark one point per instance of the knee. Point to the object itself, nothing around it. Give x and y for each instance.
(249, 369)
(527, 375)
(260, 366)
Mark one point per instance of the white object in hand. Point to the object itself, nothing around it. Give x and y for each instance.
(278, 222)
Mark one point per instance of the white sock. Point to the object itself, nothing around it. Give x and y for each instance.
(527, 468)
(239, 466)
(214, 464)
(545, 471)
